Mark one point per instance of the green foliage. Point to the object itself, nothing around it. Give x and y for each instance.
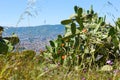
(7, 43)
(3, 47)
(88, 41)
(65, 22)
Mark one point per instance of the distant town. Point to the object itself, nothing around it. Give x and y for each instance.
(35, 37)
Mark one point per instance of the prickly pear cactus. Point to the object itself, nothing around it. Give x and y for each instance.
(88, 40)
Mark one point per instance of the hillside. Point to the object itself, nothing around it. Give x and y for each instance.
(32, 35)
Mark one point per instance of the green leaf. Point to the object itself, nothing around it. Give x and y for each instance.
(112, 32)
(10, 47)
(115, 41)
(59, 36)
(75, 9)
(100, 19)
(9, 44)
(67, 30)
(80, 12)
(3, 48)
(59, 41)
(52, 43)
(91, 10)
(73, 28)
(76, 42)
(66, 22)
(80, 22)
(49, 48)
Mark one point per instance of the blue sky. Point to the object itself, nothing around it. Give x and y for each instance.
(52, 11)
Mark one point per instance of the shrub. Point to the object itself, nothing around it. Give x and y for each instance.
(88, 41)
(7, 43)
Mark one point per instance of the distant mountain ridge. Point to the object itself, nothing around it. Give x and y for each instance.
(37, 35)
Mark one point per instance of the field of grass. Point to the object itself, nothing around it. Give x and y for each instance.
(29, 66)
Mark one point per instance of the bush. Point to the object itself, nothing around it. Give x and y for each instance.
(88, 41)
(7, 43)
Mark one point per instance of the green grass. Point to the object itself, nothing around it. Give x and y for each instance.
(20, 66)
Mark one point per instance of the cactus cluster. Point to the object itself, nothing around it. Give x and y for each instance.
(88, 40)
(7, 43)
